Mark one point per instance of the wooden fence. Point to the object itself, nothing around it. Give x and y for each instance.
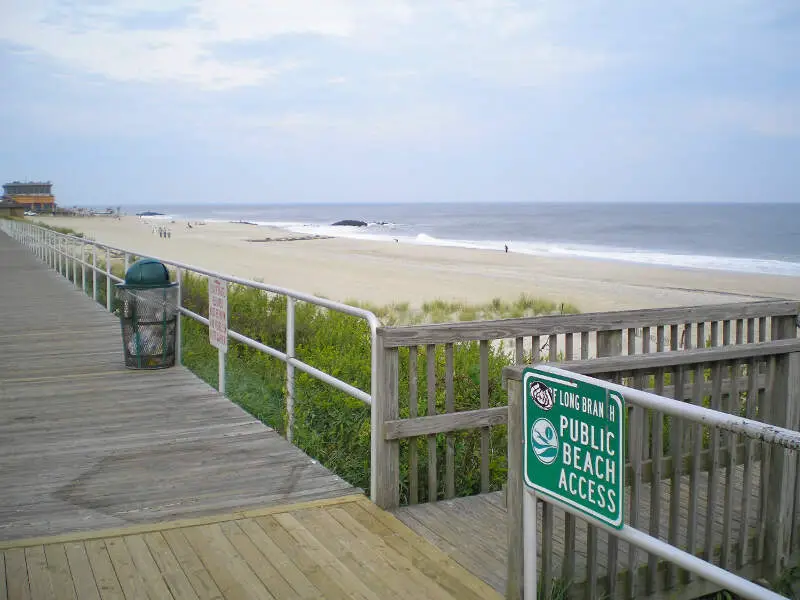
(423, 415)
(730, 500)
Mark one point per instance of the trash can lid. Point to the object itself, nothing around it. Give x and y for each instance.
(147, 273)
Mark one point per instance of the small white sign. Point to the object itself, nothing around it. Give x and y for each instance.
(218, 313)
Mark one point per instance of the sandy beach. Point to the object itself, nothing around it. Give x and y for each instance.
(383, 273)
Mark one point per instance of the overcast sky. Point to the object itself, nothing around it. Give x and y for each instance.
(155, 102)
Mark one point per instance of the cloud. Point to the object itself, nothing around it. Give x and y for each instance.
(142, 40)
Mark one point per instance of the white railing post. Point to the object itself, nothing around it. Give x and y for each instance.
(127, 262)
(289, 368)
(61, 261)
(83, 266)
(178, 324)
(108, 279)
(94, 272)
(73, 252)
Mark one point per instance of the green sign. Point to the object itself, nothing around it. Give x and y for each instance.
(574, 450)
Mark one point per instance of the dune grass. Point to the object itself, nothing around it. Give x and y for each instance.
(443, 311)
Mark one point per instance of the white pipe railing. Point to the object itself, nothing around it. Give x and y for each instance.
(60, 249)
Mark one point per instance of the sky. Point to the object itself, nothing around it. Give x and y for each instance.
(154, 102)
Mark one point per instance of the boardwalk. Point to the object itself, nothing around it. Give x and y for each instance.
(87, 444)
(342, 548)
(119, 483)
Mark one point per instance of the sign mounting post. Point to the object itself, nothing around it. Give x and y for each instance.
(218, 322)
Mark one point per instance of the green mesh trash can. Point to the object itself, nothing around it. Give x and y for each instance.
(148, 311)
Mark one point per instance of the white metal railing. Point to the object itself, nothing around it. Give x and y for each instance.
(66, 253)
(735, 424)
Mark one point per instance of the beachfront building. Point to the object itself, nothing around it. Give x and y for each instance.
(33, 195)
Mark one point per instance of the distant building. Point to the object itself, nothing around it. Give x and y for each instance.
(33, 195)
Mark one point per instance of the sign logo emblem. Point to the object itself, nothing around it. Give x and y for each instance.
(542, 395)
(544, 441)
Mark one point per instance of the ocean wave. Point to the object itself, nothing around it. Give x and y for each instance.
(394, 232)
(157, 217)
(630, 255)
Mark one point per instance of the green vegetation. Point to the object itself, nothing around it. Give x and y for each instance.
(329, 425)
(441, 311)
(64, 230)
(788, 584)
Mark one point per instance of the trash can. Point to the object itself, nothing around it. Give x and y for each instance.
(148, 311)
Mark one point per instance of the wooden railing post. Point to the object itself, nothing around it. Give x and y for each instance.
(784, 411)
(514, 491)
(385, 463)
(609, 343)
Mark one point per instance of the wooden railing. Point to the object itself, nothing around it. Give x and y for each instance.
(728, 499)
(418, 420)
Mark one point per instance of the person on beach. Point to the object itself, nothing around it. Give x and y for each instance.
(506, 248)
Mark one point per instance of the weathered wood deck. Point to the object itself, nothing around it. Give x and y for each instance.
(87, 444)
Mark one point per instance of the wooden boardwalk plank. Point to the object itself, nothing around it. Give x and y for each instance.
(104, 575)
(365, 565)
(39, 578)
(427, 558)
(301, 586)
(261, 566)
(169, 567)
(197, 574)
(327, 549)
(374, 571)
(81, 571)
(318, 576)
(86, 444)
(399, 562)
(316, 551)
(146, 567)
(17, 575)
(132, 583)
(230, 572)
(59, 572)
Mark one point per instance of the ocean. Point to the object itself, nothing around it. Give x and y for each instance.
(749, 238)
